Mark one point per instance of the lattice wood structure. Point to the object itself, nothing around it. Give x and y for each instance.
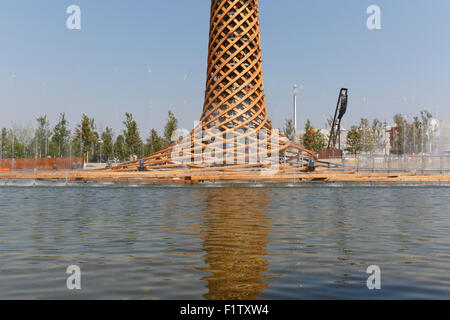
(234, 128)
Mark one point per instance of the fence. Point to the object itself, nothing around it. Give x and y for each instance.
(401, 163)
(42, 163)
(330, 153)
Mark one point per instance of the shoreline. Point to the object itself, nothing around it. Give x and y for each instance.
(191, 177)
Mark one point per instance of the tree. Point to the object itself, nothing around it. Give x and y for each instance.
(411, 137)
(354, 140)
(119, 147)
(131, 134)
(154, 143)
(108, 144)
(86, 136)
(313, 139)
(11, 147)
(378, 134)
(169, 129)
(42, 136)
(425, 135)
(5, 142)
(368, 140)
(289, 130)
(398, 134)
(59, 143)
(23, 138)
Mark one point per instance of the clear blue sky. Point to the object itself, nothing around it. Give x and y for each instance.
(103, 69)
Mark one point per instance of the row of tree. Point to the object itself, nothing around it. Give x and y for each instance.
(367, 137)
(312, 138)
(405, 137)
(85, 141)
(372, 136)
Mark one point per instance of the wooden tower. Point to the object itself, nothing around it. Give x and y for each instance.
(234, 128)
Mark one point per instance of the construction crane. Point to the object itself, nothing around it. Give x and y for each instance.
(341, 109)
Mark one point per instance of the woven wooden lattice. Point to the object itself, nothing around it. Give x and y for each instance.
(234, 128)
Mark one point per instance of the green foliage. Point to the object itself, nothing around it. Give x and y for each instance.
(42, 136)
(19, 149)
(423, 134)
(24, 145)
(378, 134)
(16, 142)
(133, 140)
(154, 143)
(85, 141)
(108, 143)
(169, 129)
(86, 137)
(411, 137)
(399, 134)
(119, 148)
(5, 144)
(354, 140)
(367, 136)
(289, 130)
(313, 139)
(59, 143)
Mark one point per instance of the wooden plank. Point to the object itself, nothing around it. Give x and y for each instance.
(237, 174)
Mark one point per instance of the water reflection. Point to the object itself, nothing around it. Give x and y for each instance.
(224, 243)
(235, 243)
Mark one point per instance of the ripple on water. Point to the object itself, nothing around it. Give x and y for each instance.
(223, 242)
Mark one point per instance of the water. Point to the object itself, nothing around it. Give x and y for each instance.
(278, 242)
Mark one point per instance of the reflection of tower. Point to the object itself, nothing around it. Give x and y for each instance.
(234, 119)
(235, 244)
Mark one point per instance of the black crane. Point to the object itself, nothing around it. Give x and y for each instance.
(341, 109)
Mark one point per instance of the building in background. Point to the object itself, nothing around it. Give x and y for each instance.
(444, 138)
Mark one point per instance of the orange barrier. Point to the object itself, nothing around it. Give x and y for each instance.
(5, 169)
(40, 164)
(330, 154)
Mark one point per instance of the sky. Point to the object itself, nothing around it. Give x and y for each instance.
(146, 57)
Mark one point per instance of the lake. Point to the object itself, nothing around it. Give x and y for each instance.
(224, 242)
